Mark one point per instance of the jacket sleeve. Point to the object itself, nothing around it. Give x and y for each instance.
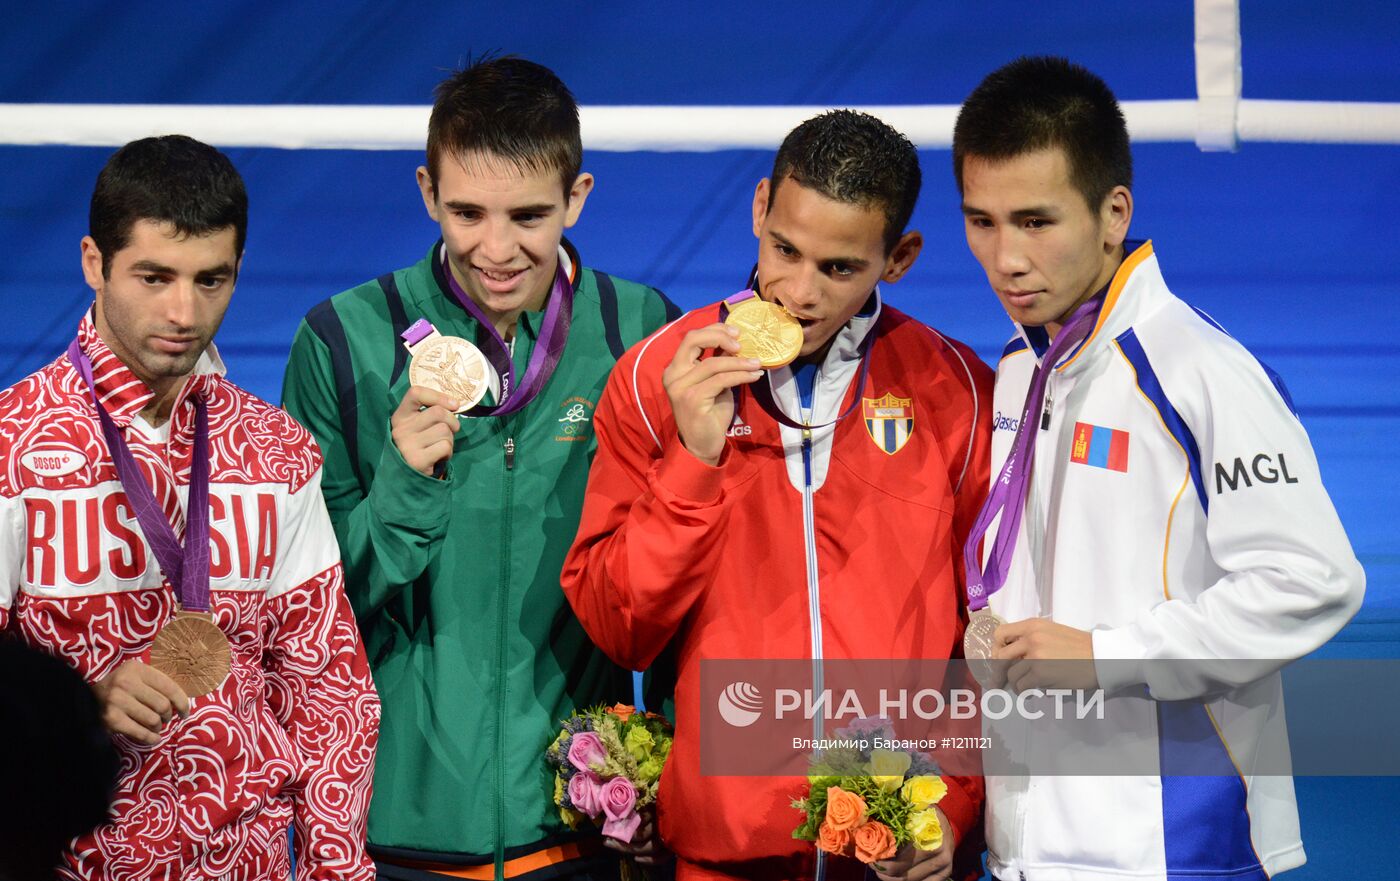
(320, 690)
(12, 555)
(1290, 579)
(651, 523)
(389, 534)
(970, 456)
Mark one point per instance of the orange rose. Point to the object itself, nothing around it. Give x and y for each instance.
(833, 840)
(844, 810)
(874, 841)
(623, 712)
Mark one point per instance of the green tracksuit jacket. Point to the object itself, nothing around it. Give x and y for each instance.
(475, 652)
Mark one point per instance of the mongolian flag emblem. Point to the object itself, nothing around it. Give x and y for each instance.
(1100, 447)
(889, 421)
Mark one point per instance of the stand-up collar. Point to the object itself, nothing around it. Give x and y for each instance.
(1127, 298)
(122, 394)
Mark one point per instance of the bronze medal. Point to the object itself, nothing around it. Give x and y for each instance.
(978, 644)
(193, 651)
(450, 365)
(766, 332)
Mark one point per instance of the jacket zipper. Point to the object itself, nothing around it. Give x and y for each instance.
(503, 605)
(814, 610)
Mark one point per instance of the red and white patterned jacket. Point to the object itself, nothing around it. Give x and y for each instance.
(290, 734)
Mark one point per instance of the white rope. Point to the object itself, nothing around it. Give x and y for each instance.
(624, 129)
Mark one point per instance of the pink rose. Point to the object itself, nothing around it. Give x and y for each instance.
(620, 805)
(586, 791)
(586, 750)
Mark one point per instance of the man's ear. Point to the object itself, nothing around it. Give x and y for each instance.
(429, 191)
(1116, 216)
(902, 256)
(92, 263)
(760, 205)
(578, 194)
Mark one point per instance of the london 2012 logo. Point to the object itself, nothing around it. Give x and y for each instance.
(576, 420)
(740, 704)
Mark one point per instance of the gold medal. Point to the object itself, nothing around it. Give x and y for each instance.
(193, 651)
(766, 332)
(450, 365)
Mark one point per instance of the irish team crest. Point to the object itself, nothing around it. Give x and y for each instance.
(889, 421)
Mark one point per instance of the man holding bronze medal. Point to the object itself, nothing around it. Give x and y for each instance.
(166, 536)
(790, 474)
(454, 401)
(1164, 533)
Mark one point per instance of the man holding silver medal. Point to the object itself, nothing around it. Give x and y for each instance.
(454, 401)
(790, 473)
(164, 534)
(1164, 533)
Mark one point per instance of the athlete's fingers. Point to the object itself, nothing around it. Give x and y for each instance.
(119, 723)
(418, 397)
(122, 705)
(699, 373)
(712, 336)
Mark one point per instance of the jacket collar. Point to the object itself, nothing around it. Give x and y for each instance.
(121, 393)
(1131, 294)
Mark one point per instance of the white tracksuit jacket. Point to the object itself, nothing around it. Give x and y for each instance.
(1176, 511)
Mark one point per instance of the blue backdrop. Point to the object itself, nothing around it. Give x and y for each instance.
(1290, 247)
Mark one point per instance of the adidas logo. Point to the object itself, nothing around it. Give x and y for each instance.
(739, 428)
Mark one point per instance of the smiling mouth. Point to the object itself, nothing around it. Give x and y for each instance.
(496, 275)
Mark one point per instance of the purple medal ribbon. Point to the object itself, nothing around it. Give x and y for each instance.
(763, 389)
(1008, 495)
(187, 567)
(554, 333)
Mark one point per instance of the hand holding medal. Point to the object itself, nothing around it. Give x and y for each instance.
(1008, 498)
(754, 336)
(190, 649)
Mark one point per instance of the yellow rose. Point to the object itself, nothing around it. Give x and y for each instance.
(887, 768)
(638, 742)
(650, 770)
(924, 791)
(925, 831)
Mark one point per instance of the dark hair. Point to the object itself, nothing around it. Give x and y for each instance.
(1039, 102)
(59, 782)
(511, 108)
(170, 179)
(853, 157)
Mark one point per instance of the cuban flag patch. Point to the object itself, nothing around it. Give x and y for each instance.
(1100, 447)
(889, 421)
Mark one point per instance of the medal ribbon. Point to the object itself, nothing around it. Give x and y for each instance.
(186, 567)
(549, 348)
(763, 389)
(1008, 495)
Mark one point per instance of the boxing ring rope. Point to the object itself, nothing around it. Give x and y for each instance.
(660, 128)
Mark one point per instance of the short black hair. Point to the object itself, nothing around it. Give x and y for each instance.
(853, 157)
(1039, 102)
(170, 179)
(511, 108)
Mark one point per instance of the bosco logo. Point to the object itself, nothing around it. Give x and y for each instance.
(740, 704)
(53, 463)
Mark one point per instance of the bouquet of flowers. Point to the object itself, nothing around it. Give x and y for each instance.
(607, 763)
(867, 802)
